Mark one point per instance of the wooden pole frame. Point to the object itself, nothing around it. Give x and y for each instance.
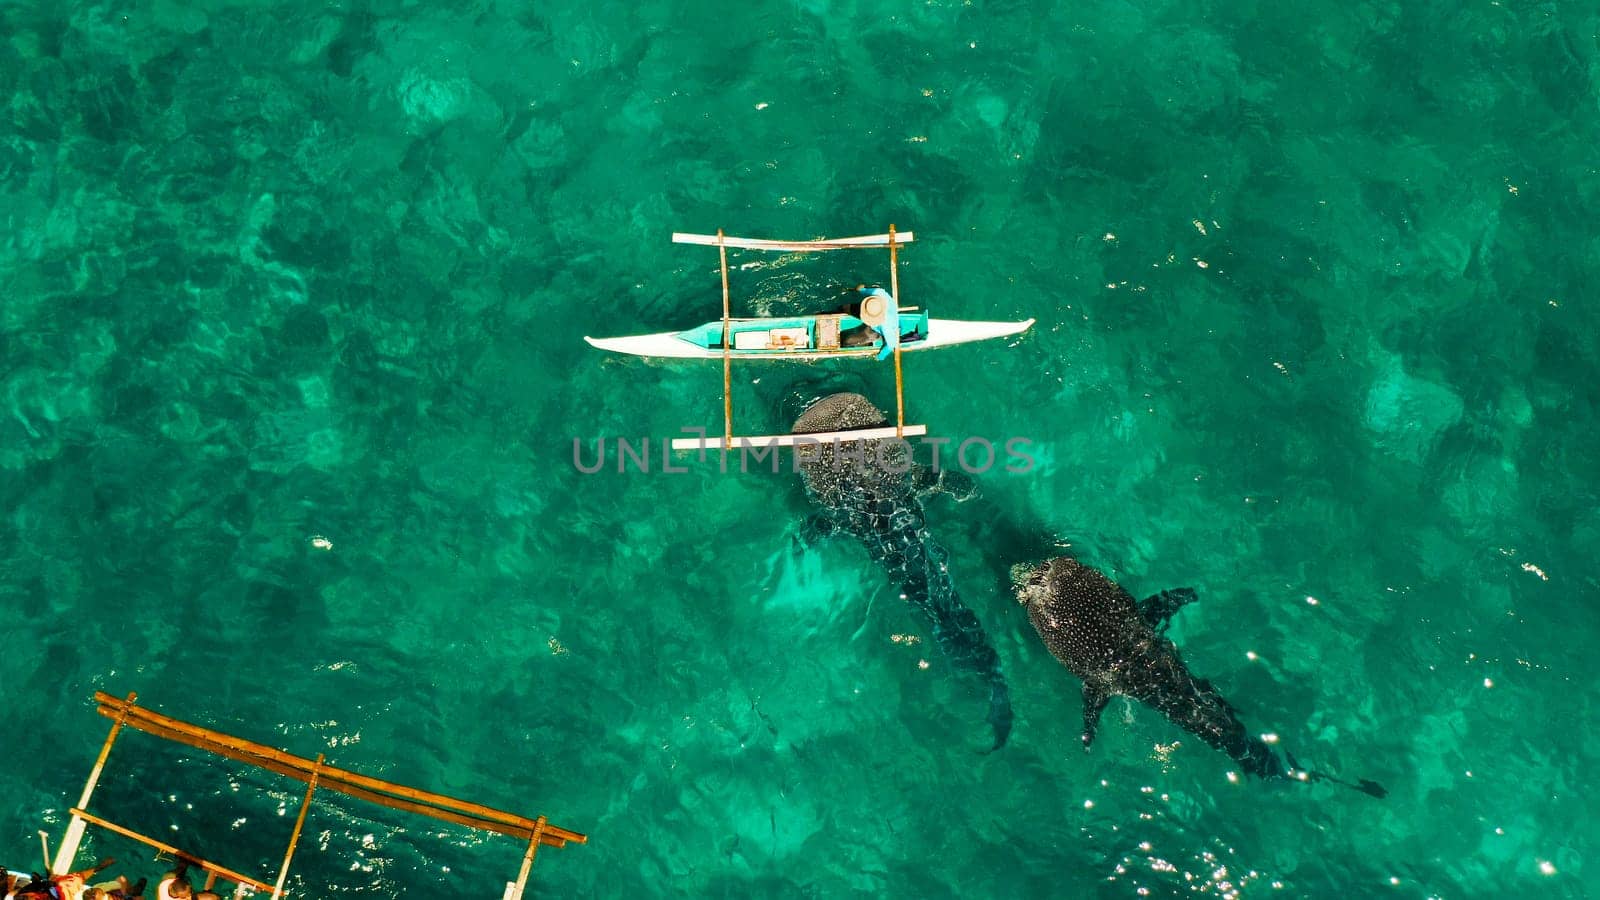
(899, 379)
(893, 239)
(363, 787)
(299, 823)
(527, 860)
(727, 349)
(743, 243)
(199, 862)
(68, 848)
(316, 774)
(803, 439)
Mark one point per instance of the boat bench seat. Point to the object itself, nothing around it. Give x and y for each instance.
(827, 332)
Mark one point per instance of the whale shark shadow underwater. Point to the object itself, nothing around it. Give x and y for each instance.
(1116, 646)
(869, 490)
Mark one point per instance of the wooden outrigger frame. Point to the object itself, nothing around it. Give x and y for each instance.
(316, 774)
(722, 242)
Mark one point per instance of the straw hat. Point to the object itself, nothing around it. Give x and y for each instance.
(874, 309)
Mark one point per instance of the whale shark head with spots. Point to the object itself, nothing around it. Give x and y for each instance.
(869, 490)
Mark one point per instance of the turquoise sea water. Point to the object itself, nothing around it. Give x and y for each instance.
(1315, 291)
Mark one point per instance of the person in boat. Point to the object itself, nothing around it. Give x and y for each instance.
(71, 886)
(35, 887)
(17, 884)
(175, 885)
(879, 314)
(121, 889)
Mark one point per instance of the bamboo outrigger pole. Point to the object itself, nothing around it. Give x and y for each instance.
(899, 380)
(363, 787)
(74, 836)
(316, 774)
(527, 860)
(299, 823)
(727, 352)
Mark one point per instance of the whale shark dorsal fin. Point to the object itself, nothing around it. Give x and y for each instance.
(1094, 701)
(1157, 609)
(959, 485)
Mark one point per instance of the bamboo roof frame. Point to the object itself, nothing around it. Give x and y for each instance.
(126, 712)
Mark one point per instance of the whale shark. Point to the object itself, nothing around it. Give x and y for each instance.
(869, 490)
(1116, 646)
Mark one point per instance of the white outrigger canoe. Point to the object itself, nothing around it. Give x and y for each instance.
(823, 336)
(803, 337)
(859, 331)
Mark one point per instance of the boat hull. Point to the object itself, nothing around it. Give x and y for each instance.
(941, 333)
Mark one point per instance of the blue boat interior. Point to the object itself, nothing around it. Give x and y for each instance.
(833, 331)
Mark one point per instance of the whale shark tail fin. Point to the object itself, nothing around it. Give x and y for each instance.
(1094, 702)
(1373, 788)
(1364, 785)
(1000, 715)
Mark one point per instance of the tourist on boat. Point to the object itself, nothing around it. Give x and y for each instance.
(71, 886)
(175, 885)
(19, 885)
(68, 887)
(121, 889)
(879, 311)
(38, 886)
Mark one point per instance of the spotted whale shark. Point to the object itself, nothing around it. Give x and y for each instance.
(869, 490)
(1116, 646)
